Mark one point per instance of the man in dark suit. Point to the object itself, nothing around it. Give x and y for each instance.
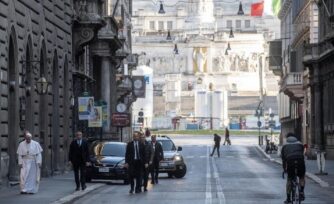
(79, 158)
(157, 155)
(134, 161)
(147, 159)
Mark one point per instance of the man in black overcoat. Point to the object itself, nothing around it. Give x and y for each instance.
(79, 158)
(134, 161)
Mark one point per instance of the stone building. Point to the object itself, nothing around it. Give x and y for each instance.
(36, 41)
(318, 60)
(80, 47)
(299, 26)
(191, 42)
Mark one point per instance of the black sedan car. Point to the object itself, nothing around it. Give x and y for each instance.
(107, 161)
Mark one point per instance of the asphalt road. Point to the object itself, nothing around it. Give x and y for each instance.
(241, 175)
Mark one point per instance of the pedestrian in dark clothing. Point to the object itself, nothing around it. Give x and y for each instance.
(147, 158)
(134, 161)
(157, 155)
(227, 137)
(217, 140)
(79, 158)
(147, 132)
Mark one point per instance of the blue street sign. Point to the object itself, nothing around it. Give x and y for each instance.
(259, 124)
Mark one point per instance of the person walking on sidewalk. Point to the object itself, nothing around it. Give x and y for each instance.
(293, 154)
(157, 155)
(217, 140)
(79, 158)
(147, 158)
(30, 161)
(227, 137)
(134, 161)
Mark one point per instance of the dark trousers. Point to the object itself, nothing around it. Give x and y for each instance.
(82, 169)
(135, 173)
(145, 177)
(154, 172)
(214, 149)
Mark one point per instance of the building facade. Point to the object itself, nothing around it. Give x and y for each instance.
(36, 41)
(82, 48)
(318, 59)
(190, 48)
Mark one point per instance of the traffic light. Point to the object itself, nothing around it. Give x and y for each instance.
(140, 117)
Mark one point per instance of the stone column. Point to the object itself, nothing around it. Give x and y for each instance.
(317, 107)
(105, 88)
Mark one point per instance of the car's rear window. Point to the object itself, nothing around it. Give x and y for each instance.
(117, 150)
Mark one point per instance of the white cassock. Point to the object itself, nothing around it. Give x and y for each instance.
(30, 158)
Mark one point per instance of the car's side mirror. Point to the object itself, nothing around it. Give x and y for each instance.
(179, 149)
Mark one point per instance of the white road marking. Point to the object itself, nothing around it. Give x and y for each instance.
(220, 193)
(208, 193)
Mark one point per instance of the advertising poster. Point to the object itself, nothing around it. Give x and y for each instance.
(86, 108)
(96, 119)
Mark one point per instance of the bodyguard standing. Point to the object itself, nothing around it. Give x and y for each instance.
(134, 161)
(156, 156)
(79, 158)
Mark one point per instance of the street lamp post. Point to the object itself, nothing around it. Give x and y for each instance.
(258, 113)
(41, 88)
(272, 125)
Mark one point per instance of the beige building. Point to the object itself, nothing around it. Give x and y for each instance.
(191, 49)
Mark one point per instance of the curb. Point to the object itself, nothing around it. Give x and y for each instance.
(78, 194)
(311, 176)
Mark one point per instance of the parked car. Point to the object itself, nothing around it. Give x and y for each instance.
(173, 163)
(107, 161)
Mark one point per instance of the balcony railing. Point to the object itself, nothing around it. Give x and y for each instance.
(294, 78)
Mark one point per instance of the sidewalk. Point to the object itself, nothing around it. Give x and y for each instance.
(311, 169)
(58, 188)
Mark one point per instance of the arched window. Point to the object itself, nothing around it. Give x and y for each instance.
(29, 82)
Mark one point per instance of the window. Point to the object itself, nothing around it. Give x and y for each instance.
(161, 25)
(247, 23)
(152, 25)
(229, 24)
(238, 23)
(169, 25)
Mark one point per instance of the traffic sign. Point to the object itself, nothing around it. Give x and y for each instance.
(120, 120)
(259, 124)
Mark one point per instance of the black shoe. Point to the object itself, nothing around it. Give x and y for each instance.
(23, 192)
(156, 181)
(84, 187)
(145, 189)
(152, 182)
(287, 201)
(131, 191)
(138, 191)
(77, 188)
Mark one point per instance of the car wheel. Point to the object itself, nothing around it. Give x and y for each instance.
(180, 173)
(170, 175)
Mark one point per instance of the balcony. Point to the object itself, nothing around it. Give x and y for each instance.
(292, 85)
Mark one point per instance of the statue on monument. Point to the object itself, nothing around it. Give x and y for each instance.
(200, 57)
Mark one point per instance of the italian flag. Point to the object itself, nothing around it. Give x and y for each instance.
(266, 7)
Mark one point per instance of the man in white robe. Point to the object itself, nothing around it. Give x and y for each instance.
(30, 162)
